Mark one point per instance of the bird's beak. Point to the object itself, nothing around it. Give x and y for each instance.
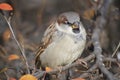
(75, 28)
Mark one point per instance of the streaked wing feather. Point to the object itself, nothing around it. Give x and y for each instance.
(47, 39)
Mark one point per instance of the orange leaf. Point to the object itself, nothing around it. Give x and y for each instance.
(13, 57)
(5, 6)
(48, 69)
(6, 35)
(12, 78)
(78, 79)
(28, 77)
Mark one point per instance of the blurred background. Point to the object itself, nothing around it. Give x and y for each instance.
(31, 18)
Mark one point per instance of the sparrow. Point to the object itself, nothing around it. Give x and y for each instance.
(62, 43)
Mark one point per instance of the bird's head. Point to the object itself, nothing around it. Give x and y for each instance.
(69, 23)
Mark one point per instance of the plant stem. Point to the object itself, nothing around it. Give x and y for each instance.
(19, 45)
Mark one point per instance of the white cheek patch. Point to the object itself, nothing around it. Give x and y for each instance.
(57, 26)
(69, 30)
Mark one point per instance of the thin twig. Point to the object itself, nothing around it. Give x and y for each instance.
(20, 47)
(6, 76)
(86, 74)
(116, 50)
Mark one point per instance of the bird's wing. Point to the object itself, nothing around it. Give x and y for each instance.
(47, 39)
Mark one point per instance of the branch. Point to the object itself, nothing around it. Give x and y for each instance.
(39, 73)
(99, 24)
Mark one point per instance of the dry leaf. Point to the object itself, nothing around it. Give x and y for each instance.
(6, 35)
(78, 79)
(89, 14)
(28, 77)
(5, 6)
(3, 70)
(13, 57)
(48, 69)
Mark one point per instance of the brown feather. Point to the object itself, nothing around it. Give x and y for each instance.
(45, 42)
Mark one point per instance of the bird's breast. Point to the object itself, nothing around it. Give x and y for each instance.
(62, 51)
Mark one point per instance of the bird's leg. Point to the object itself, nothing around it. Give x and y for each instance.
(82, 62)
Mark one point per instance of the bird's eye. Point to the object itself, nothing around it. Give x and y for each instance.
(66, 22)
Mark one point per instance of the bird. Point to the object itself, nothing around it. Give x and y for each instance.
(62, 43)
